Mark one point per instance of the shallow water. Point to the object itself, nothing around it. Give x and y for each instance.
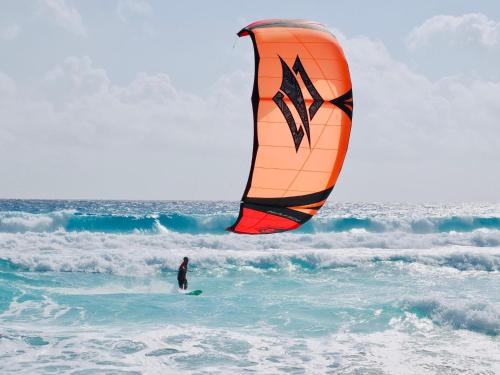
(88, 287)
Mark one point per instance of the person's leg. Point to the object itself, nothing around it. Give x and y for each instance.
(185, 284)
(180, 283)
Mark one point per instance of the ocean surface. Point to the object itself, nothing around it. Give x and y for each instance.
(89, 287)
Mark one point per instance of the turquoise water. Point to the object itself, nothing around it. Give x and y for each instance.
(89, 287)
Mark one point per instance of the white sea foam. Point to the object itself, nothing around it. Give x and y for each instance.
(28, 222)
(413, 346)
(483, 317)
(150, 287)
(41, 309)
(139, 254)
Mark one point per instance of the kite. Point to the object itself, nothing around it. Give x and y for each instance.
(302, 108)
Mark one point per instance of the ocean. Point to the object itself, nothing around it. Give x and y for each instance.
(89, 287)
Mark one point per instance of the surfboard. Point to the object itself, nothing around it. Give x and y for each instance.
(194, 293)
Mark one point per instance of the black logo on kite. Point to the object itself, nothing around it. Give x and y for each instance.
(290, 87)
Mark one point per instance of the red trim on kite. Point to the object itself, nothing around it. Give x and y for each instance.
(258, 222)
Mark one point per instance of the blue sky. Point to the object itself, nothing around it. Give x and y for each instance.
(151, 99)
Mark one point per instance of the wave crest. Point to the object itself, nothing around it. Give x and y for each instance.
(479, 317)
(139, 254)
(72, 221)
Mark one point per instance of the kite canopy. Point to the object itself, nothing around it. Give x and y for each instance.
(302, 106)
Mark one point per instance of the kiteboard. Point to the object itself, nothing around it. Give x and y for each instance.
(194, 293)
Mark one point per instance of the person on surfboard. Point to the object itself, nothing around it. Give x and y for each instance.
(181, 275)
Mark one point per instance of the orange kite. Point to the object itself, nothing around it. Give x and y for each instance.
(302, 105)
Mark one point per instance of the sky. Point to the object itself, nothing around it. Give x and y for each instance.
(141, 99)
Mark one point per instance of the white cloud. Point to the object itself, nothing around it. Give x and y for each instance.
(78, 133)
(7, 86)
(417, 137)
(468, 29)
(154, 137)
(83, 97)
(65, 15)
(10, 32)
(127, 8)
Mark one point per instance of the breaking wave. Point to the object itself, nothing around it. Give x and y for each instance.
(481, 317)
(139, 254)
(71, 221)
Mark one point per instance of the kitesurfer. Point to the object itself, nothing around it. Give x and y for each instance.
(181, 275)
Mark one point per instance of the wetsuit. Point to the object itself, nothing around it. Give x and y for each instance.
(181, 276)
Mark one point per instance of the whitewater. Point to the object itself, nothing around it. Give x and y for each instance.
(89, 287)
